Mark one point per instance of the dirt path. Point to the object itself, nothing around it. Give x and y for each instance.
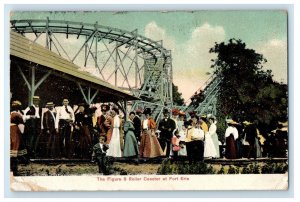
(36, 169)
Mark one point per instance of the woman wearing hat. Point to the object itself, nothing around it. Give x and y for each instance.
(251, 138)
(231, 134)
(82, 124)
(194, 140)
(131, 148)
(101, 119)
(17, 147)
(149, 146)
(214, 136)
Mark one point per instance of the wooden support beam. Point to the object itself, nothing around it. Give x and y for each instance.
(82, 92)
(24, 77)
(43, 79)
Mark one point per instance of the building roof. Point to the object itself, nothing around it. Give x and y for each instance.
(26, 49)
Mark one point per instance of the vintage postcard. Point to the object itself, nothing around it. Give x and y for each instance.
(158, 100)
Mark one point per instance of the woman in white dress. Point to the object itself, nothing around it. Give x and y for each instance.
(214, 136)
(113, 134)
(209, 147)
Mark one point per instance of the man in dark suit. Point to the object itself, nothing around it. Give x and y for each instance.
(137, 124)
(166, 127)
(99, 154)
(32, 118)
(51, 138)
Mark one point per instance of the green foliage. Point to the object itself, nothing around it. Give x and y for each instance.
(177, 97)
(221, 171)
(233, 170)
(165, 167)
(280, 168)
(268, 168)
(247, 92)
(168, 168)
(184, 168)
(271, 168)
(253, 168)
(221, 124)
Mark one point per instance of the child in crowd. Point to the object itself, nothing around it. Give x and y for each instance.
(175, 144)
(182, 134)
(99, 155)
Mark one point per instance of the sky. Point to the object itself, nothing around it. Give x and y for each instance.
(190, 35)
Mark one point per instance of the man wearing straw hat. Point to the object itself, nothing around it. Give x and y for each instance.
(48, 121)
(32, 118)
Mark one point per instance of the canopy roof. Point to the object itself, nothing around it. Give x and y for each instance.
(25, 49)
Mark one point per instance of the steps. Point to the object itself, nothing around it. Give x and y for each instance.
(205, 100)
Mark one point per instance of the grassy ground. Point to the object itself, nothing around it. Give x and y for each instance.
(36, 169)
(219, 166)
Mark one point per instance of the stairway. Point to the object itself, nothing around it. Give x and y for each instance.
(151, 93)
(204, 101)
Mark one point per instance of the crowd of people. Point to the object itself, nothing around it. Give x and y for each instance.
(62, 132)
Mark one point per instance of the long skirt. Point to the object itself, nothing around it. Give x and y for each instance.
(115, 144)
(230, 152)
(195, 150)
(17, 147)
(149, 146)
(85, 142)
(209, 147)
(258, 149)
(131, 145)
(53, 147)
(215, 140)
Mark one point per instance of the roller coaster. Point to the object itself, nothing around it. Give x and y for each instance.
(123, 58)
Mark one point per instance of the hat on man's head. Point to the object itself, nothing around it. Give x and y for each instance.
(36, 97)
(203, 116)
(246, 123)
(81, 104)
(147, 111)
(139, 111)
(16, 103)
(50, 104)
(104, 107)
(192, 113)
(166, 111)
(93, 109)
(230, 121)
(211, 116)
(175, 111)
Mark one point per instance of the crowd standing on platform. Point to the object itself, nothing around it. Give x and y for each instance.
(61, 132)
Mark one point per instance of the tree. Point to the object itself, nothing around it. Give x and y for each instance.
(247, 92)
(177, 99)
